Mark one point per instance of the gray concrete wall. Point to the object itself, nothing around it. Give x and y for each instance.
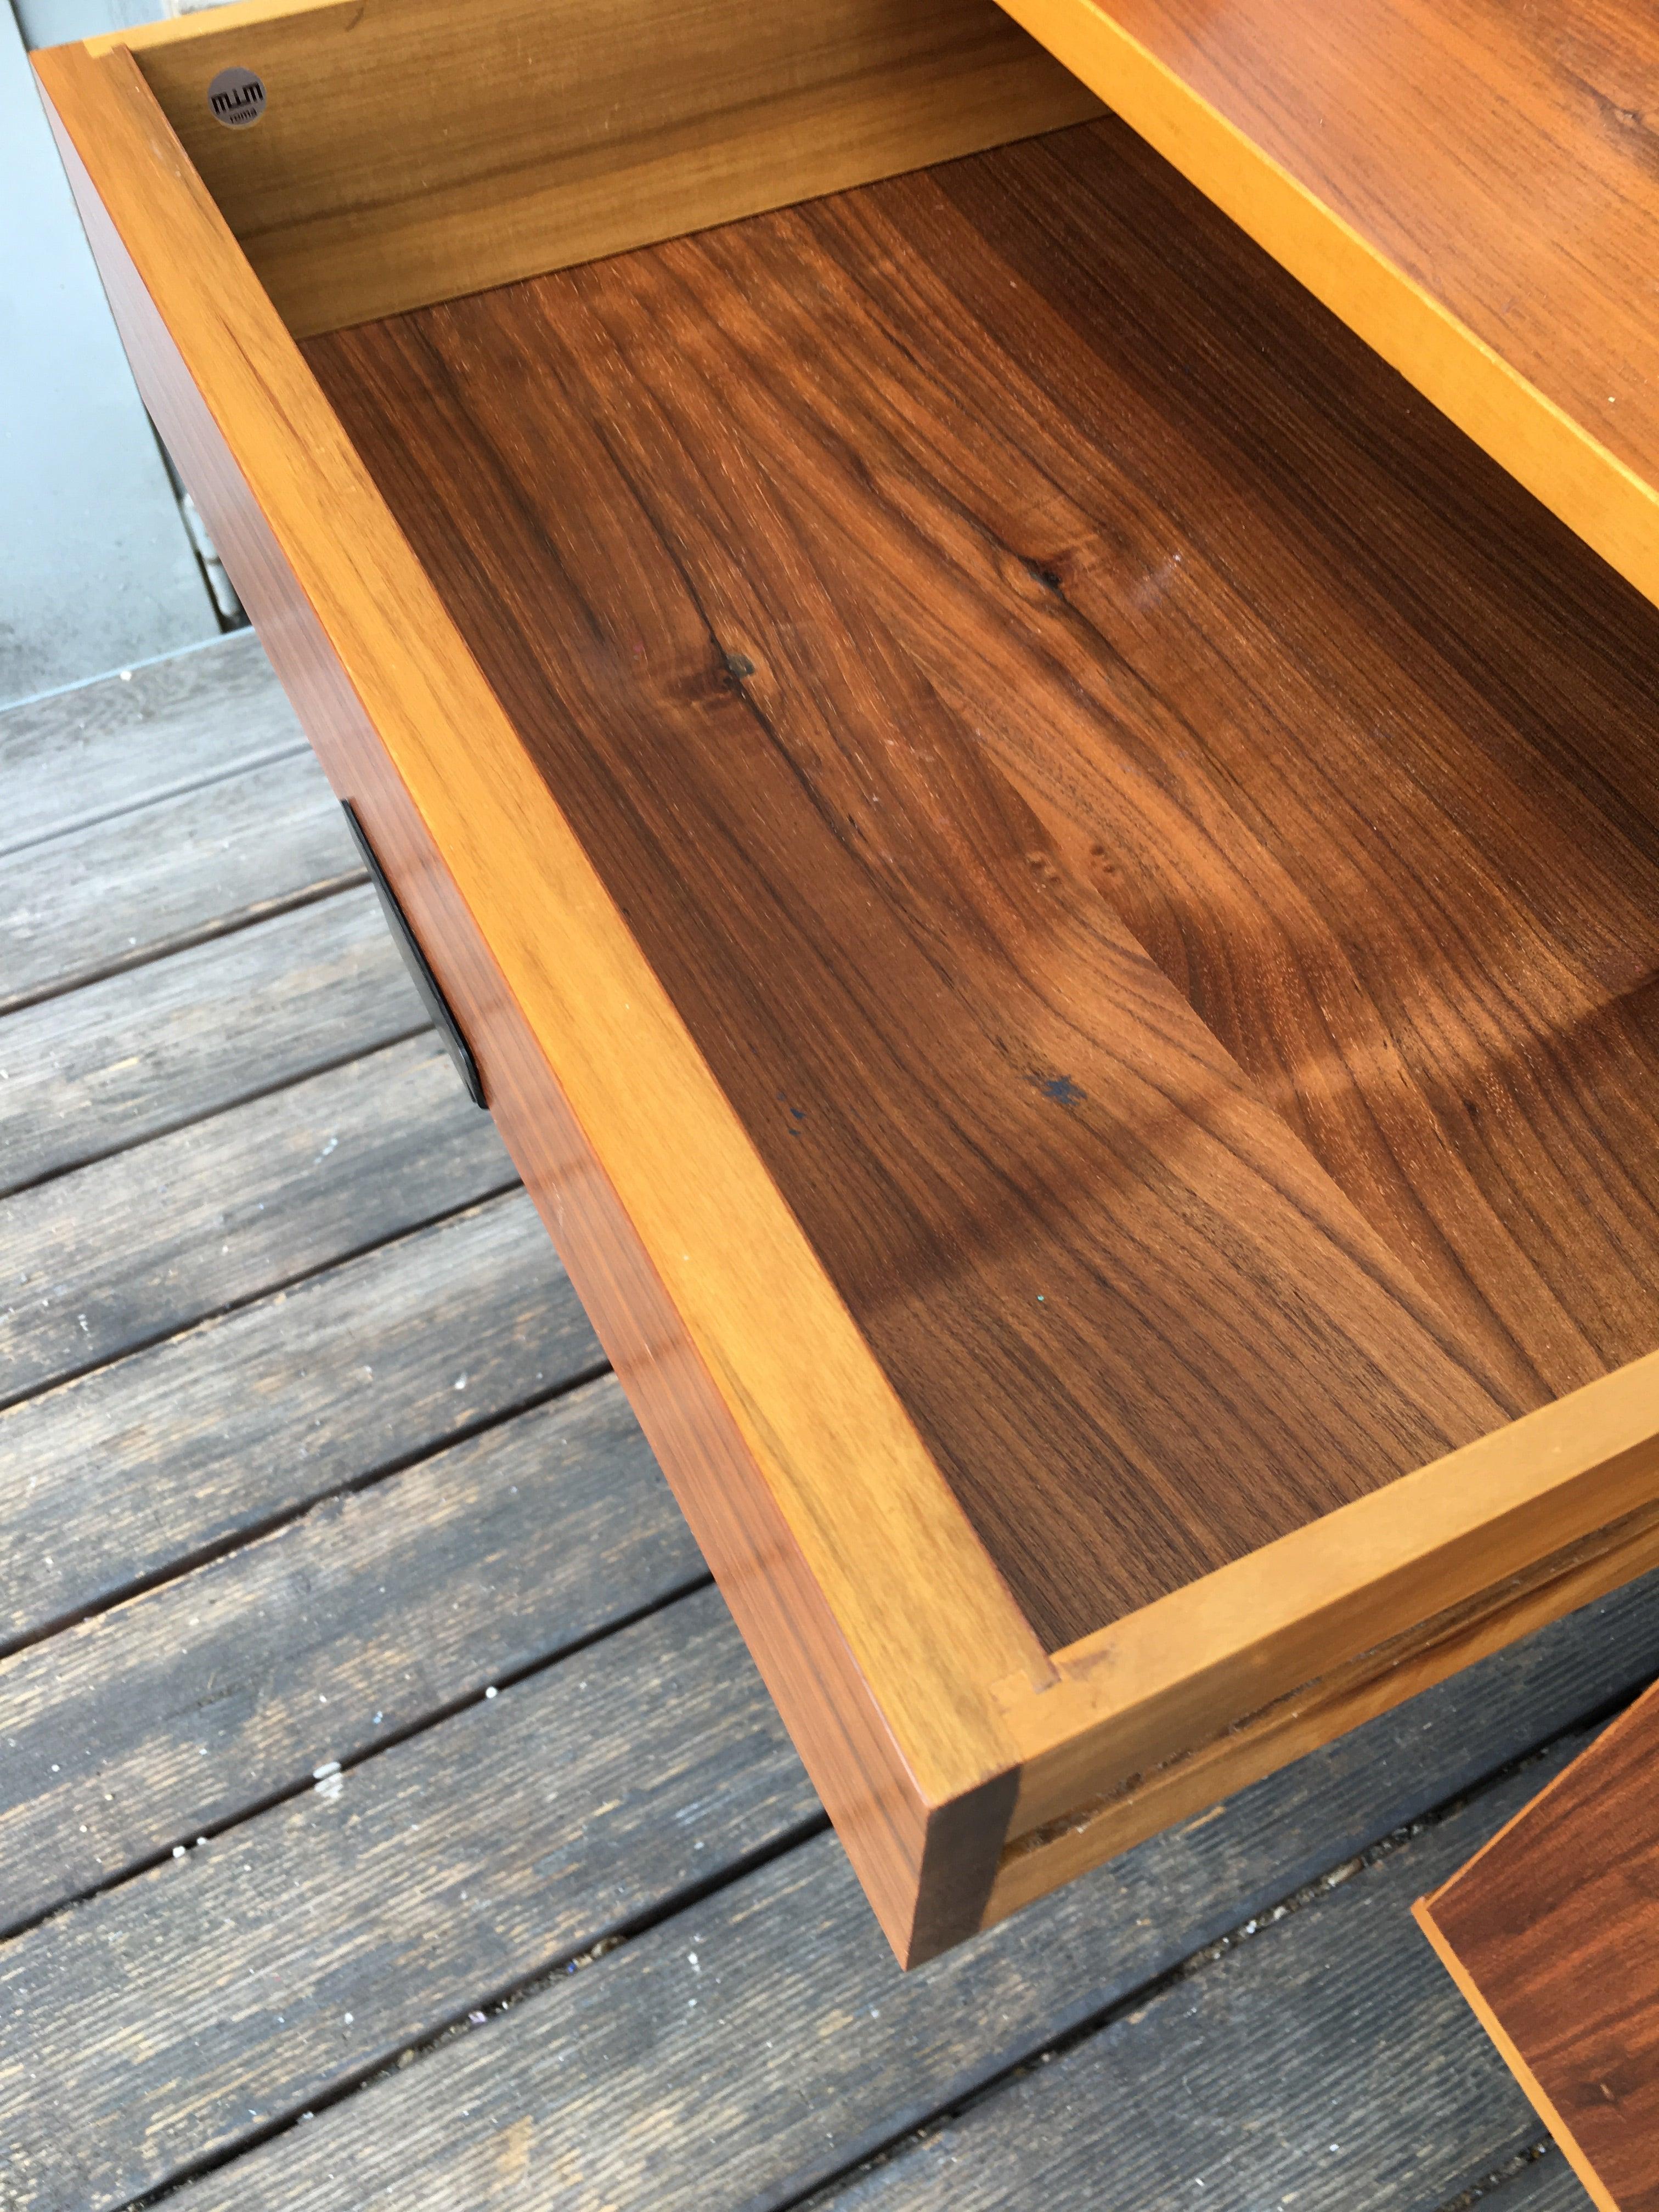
(96, 569)
(50, 23)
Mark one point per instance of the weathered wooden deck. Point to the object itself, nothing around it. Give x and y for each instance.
(389, 1816)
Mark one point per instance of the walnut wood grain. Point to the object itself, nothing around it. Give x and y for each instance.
(923, 600)
(1469, 184)
(1375, 785)
(1552, 1931)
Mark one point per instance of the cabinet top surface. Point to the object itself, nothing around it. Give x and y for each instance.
(1504, 157)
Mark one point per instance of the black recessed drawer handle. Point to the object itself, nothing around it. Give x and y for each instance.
(415, 960)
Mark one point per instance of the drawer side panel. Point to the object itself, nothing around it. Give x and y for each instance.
(927, 1865)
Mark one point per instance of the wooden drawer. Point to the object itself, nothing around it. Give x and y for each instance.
(1054, 882)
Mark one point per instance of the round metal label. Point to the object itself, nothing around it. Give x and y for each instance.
(237, 97)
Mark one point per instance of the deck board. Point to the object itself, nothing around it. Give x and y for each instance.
(169, 873)
(170, 1715)
(1546, 2185)
(172, 2017)
(144, 1465)
(850, 2052)
(760, 2043)
(183, 2014)
(1274, 2074)
(133, 1248)
(85, 755)
(183, 1037)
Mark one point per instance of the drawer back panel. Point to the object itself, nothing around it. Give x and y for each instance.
(409, 151)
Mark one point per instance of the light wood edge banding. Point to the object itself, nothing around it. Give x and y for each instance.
(1252, 1746)
(1558, 461)
(1179, 1672)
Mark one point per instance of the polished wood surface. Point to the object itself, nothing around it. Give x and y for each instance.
(1387, 808)
(1470, 184)
(720, 519)
(941, 1735)
(410, 149)
(1552, 1932)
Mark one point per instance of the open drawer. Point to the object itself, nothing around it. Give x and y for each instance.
(1053, 882)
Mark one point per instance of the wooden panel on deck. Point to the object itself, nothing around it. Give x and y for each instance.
(1552, 1934)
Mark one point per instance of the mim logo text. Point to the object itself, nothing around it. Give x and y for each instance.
(237, 98)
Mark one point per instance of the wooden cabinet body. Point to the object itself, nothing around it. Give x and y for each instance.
(1053, 882)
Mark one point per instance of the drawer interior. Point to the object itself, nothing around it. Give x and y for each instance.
(1156, 836)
